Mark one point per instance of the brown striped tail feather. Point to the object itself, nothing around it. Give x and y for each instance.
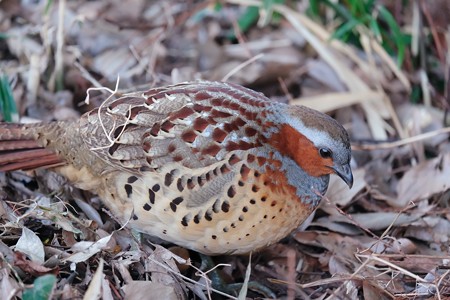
(20, 151)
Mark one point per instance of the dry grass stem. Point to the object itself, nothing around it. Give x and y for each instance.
(403, 142)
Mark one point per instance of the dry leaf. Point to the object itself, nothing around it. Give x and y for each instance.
(430, 229)
(374, 292)
(8, 286)
(30, 244)
(323, 73)
(114, 62)
(98, 287)
(85, 249)
(434, 177)
(137, 290)
(327, 240)
(372, 221)
(31, 267)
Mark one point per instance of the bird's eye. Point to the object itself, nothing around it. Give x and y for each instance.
(325, 153)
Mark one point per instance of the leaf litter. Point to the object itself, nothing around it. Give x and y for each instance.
(386, 238)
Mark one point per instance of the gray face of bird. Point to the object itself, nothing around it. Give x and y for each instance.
(315, 141)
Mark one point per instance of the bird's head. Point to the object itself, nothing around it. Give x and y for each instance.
(315, 141)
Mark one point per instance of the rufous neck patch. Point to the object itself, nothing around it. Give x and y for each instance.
(289, 142)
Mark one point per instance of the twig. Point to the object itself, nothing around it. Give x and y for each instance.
(57, 76)
(86, 75)
(353, 221)
(402, 270)
(241, 66)
(399, 143)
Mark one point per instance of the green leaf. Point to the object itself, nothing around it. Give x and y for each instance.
(370, 5)
(350, 14)
(360, 8)
(7, 104)
(314, 7)
(246, 20)
(48, 6)
(344, 29)
(340, 10)
(390, 20)
(400, 54)
(218, 6)
(373, 25)
(396, 32)
(416, 94)
(42, 288)
(268, 6)
(249, 18)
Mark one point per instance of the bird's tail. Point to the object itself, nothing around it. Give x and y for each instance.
(19, 149)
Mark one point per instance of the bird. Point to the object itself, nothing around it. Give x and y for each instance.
(210, 166)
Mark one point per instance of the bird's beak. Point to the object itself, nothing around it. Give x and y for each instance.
(345, 172)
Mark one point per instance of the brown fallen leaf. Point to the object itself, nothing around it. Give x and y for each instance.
(434, 177)
(99, 287)
(8, 286)
(32, 268)
(375, 292)
(371, 221)
(137, 290)
(416, 263)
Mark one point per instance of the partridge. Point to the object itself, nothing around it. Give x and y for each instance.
(210, 166)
